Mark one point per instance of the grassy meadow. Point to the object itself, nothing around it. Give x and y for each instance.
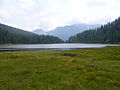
(83, 69)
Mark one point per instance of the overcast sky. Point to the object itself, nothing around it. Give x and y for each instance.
(49, 14)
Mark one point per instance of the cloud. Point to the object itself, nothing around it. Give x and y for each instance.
(96, 3)
(49, 14)
(27, 3)
(4, 14)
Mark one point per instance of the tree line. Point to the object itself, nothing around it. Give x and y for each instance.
(109, 33)
(17, 36)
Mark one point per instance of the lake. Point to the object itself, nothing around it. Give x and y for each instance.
(63, 46)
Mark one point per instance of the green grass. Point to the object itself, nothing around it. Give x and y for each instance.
(6, 44)
(83, 69)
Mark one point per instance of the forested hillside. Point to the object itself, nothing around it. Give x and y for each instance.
(109, 33)
(13, 35)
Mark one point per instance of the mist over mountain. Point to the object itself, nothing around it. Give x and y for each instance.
(39, 32)
(67, 31)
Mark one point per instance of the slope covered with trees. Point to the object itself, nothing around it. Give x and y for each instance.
(109, 33)
(13, 35)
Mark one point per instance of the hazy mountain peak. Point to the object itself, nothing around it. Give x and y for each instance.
(67, 31)
(39, 32)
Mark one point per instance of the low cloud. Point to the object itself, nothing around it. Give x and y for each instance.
(49, 14)
(27, 4)
(4, 14)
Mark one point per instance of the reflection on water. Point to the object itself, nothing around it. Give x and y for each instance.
(51, 46)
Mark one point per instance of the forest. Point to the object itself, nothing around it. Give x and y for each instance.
(109, 33)
(10, 35)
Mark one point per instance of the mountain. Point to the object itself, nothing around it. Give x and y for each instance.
(10, 34)
(39, 32)
(67, 31)
(109, 33)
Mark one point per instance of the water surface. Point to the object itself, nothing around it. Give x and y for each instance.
(51, 46)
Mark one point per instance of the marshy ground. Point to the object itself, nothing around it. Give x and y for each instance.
(83, 69)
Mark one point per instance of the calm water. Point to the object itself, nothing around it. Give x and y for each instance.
(51, 46)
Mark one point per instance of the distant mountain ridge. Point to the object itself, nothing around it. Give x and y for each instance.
(67, 31)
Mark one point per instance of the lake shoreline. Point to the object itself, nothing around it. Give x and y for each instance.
(63, 46)
(48, 49)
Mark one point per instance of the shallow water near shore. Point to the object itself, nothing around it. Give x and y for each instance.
(62, 46)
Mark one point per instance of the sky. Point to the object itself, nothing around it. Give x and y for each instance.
(49, 14)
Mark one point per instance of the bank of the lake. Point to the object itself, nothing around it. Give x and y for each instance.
(82, 69)
(60, 46)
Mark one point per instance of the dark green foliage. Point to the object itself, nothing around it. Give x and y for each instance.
(109, 33)
(13, 35)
